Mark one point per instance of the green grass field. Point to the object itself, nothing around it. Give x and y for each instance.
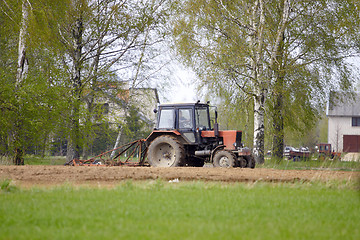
(189, 210)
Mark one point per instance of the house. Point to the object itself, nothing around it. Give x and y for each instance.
(344, 124)
(145, 100)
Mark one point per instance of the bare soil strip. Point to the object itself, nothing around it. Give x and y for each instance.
(57, 175)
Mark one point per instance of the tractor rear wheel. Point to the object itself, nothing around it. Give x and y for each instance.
(242, 162)
(224, 158)
(251, 162)
(321, 157)
(166, 151)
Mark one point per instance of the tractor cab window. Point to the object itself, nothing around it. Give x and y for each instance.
(202, 118)
(166, 119)
(185, 118)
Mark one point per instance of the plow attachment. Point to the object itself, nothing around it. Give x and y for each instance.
(130, 154)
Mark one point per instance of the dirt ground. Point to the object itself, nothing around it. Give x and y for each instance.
(103, 175)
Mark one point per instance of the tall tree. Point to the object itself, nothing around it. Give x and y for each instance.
(280, 51)
(228, 40)
(30, 94)
(311, 56)
(22, 71)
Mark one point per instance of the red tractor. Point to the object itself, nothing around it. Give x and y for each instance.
(185, 135)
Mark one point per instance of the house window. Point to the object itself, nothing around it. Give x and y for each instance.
(356, 121)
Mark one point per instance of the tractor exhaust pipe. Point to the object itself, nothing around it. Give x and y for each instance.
(203, 153)
(216, 125)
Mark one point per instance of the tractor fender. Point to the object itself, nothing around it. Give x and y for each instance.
(218, 148)
(157, 133)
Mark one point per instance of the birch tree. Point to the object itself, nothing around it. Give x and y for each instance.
(283, 54)
(29, 96)
(232, 38)
(22, 70)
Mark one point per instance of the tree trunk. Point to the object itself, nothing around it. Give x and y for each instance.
(22, 63)
(19, 157)
(117, 142)
(88, 121)
(278, 118)
(260, 86)
(73, 148)
(22, 70)
(278, 124)
(259, 128)
(277, 68)
(93, 86)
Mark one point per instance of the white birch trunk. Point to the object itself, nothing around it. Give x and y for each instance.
(260, 85)
(259, 128)
(21, 72)
(22, 63)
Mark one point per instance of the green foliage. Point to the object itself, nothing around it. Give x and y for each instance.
(309, 137)
(6, 186)
(194, 210)
(31, 108)
(232, 116)
(36, 107)
(135, 127)
(103, 139)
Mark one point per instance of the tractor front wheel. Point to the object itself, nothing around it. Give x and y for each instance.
(224, 158)
(166, 151)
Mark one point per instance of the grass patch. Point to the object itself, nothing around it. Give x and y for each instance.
(7, 186)
(195, 210)
(35, 160)
(46, 160)
(311, 164)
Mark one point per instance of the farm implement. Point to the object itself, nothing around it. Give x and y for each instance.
(185, 135)
(130, 154)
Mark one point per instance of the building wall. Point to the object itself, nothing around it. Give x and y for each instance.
(144, 99)
(338, 127)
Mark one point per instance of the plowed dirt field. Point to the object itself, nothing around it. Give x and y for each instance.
(57, 175)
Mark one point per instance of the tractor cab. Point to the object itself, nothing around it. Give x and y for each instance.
(324, 150)
(188, 119)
